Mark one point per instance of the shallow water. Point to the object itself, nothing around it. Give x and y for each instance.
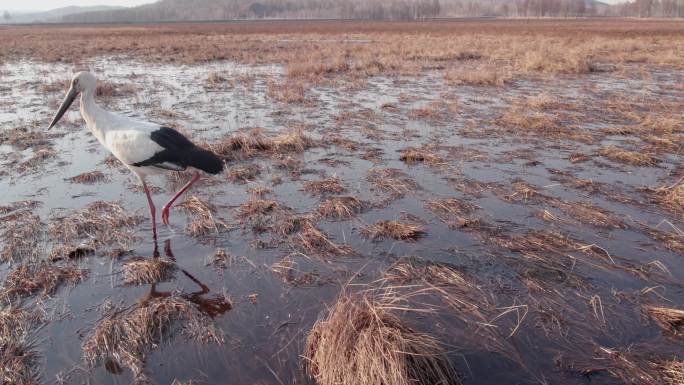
(265, 337)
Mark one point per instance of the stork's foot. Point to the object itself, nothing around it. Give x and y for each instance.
(165, 215)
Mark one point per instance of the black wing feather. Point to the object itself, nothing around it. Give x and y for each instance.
(179, 153)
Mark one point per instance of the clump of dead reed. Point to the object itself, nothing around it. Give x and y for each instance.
(323, 187)
(670, 197)
(588, 213)
(43, 277)
(126, 334)
(479, 76)
(673, 372)
(392, 181)
(244, 174)
(394, 229)
(304, 235)
(408, 269)
(102, 223)
(287, 270)
(88, 177)
(142, 271)
(105, 89)
(22, 138)
(21, 236)
(18, 357)
(361, 342)
(634, 158)
(668, 319)
(431, 111)
(454, 212)
(421, 155)
(537, 122)
(342, 207)
(38, 158)
(203, 219)
(248, 143)
(257, 207)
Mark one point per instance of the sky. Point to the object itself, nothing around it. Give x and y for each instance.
(43, 5)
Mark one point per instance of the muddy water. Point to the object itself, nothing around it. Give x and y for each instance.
(266, 328)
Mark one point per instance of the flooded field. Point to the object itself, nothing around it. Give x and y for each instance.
(527, 221)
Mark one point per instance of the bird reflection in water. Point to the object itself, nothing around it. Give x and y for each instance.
(210, 305)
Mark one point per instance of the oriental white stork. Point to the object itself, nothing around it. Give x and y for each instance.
(145, 148)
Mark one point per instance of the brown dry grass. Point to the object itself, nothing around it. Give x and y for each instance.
(589, 213)
(253, 142)
(305, 236)
(43, 278)
(18, 358)
(454, 212)
(629, 157)
(673, 372)
(103, 223)
(361, 342)
(244, 174)
(478, 76)
(147, 270)
(21, 236)
(395, 230)
(126, 334)
(323, 187)
(669, 319)
(88, 177)
(392, 181)
(343, 207)
(423, 155)
(202, 215)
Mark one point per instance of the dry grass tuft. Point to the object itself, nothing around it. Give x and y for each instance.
(589, 213)
(453, 212)
(362, 343)
(43, 277)
(423, 155)
(629, 157)
(101, 223)
(304, 235)
(392, 180)
(340, 207)
(248, 143)
(395, 230)
(673, 372)
(408, 269)
(125, 335)
(21, 236)
(18, 359)
(323, 187)
(147, 270)
(480, 76)
(244, 174)
(257, 207)
(88, 177)
(203, 221)
(669, 319)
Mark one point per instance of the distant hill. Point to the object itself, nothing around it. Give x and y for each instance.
(195, 10)
(54, 15)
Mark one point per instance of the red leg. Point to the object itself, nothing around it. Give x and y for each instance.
(152, 210)
(167, 206)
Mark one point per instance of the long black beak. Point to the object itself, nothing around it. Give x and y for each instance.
(68, 99)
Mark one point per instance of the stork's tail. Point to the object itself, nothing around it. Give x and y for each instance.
(204, 160)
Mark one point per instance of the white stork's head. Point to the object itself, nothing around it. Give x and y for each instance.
(83, 82)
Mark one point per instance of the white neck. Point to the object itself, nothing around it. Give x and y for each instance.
(93, 115)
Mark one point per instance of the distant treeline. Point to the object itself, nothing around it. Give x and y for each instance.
(179, 10)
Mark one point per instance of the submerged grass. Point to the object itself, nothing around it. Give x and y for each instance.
(44, 278)
(395, 230)
(142, 271)
(127, 334)
(18, 358)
